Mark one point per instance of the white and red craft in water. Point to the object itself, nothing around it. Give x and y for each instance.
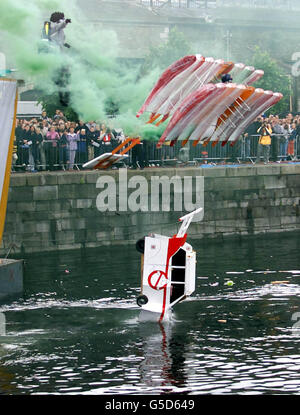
(168, 269)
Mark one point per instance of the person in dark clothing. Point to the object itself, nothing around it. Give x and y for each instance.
(226, 78)
(93, 140)
(138, 154)
(82, 151)
(264, 142)
(277, 133)
(23, 146)
(145, 153)
(298, 128)
(18, 131)
(44, 116)
(249, 134)
(18, 135)
(63, 154)
(81, 125)
(36, 138)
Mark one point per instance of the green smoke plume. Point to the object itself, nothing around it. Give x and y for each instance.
(96, 76)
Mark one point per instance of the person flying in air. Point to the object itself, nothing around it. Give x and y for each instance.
(54, 36)
(57, 26)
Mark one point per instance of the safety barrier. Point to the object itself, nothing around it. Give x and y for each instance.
(48, 155)
(51, 155)
(245, 150)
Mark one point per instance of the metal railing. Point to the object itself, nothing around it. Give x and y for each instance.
(50, 155)
(187, 4)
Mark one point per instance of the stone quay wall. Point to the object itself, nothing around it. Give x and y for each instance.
(57, 210)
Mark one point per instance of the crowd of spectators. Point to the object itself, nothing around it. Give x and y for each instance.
(58, 144)
(278, 138)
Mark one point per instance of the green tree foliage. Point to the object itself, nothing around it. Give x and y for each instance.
(166, 53)
(274, 78)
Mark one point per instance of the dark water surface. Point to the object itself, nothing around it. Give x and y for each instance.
(76, 327)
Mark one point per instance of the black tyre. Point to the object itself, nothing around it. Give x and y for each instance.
(140, 245)
(142, 300)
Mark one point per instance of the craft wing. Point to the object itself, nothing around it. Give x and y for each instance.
(174, 70)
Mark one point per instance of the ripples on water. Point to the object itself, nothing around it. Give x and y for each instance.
(77, 329)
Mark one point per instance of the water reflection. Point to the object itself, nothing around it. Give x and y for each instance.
(164, 355)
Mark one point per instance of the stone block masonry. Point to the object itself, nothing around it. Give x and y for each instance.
(57, 210)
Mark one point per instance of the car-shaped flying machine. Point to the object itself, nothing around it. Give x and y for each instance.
(168, 269)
